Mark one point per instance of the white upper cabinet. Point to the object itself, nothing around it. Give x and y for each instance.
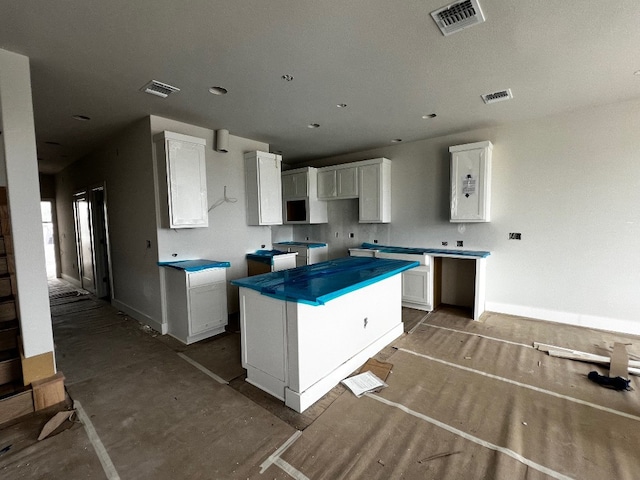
(295, 183)
(263, 188)
(337, 182)
(182, 179)
(375, 191)
(471, 182)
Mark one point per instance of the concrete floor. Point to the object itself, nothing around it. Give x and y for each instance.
(465, 400)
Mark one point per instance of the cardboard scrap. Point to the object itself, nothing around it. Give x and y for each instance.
(378, 368)
(57, 420)
(619, 361)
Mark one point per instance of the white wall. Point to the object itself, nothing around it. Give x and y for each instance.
(20, 174)
(124, 165)
(568, 183)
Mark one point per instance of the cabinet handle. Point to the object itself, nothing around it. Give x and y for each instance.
(366, 322)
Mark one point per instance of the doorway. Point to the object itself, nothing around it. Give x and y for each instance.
(49, 236)
(92, 240)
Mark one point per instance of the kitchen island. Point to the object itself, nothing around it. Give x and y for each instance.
(305, 329)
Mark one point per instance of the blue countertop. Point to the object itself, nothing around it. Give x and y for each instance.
(429, 251)
(265, 256)
(303, 244)
(195, 265)
(321, 282)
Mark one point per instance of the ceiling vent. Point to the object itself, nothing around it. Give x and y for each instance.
(497, 96)
(458, 16)
(160, 89)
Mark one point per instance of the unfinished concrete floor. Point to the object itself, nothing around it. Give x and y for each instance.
(465, 400)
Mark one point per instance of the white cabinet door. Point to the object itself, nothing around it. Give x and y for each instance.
(415, 287)
(183, 159)
(471, 182)
(208, 307)
(294, 185)
(263, 188)
(347, 182)
(375, 192)
(337, 183)
(326, 184)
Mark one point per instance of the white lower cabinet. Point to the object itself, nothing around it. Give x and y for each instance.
(417, 283)
(417, 291)
(196, 303)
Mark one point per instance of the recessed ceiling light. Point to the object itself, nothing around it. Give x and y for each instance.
(637, 73)
(341, 105)
(396, 140)
(218, 90)
(431, 115)
(287, 77)
(82, 118)
(313, 125)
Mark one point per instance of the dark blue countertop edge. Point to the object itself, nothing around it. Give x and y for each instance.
(325, 270)
(194, 265)
(421, 251)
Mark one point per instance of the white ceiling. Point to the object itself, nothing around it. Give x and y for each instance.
(385, 59)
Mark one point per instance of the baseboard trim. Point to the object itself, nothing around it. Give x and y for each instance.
(141, 317)
(568, 318)
(73, 281)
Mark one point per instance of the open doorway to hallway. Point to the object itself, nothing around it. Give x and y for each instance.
(92, 238)
(48, 233)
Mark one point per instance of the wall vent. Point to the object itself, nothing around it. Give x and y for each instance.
(497, 96)
(458, 16)
(160, 89)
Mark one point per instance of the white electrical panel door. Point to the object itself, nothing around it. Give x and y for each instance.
(471, 182)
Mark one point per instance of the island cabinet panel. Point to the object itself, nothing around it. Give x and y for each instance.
(297, 352)
(264, 341)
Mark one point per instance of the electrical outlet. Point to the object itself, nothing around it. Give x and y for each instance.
(515, 236)
(460, 243)
(262, 246)
(375, 241)
(307, 238)
(444, 244)
(351, 235)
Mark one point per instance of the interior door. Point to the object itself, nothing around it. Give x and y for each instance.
(82, 211)
(100, 243)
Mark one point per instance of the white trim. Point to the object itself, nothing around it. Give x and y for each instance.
(275, 456)
(73, 281)
(506, 451)
(580, 320)
(202, 368)
(107, 465)
(141, 317)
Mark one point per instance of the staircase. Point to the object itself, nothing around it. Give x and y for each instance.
(15, 399)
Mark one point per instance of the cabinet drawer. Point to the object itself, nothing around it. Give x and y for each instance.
(204, 277)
